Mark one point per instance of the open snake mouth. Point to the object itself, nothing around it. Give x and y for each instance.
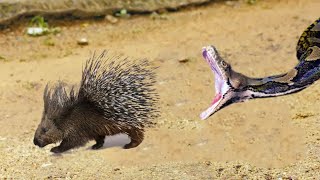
(221, 86)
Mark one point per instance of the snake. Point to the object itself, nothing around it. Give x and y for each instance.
(233, 87)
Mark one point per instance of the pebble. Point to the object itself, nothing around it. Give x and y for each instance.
(46, 165)
(111, 19)
(155, 16)
(202, 143)
(116, 169)
(83, 41)
(184, 60)
(36, 31)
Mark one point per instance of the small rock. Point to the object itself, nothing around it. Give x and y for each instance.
(303, 115)
(37, 31)
(145, 148)
(208, 163)
(85, 25)
(155, 15)
(220, 169)
(116, 169)
(46, 165)
(111, 19)
(83, 42)
(202, 143)
(184, 60)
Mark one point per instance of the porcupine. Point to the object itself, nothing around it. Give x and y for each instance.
(114, 97)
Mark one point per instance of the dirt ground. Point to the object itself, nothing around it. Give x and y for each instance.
(263, 138)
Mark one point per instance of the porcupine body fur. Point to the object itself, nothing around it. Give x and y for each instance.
(113, 97)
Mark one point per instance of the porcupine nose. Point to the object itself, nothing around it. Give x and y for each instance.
(36, 142)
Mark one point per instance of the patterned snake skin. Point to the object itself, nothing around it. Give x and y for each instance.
(307, 70)
(232, 87)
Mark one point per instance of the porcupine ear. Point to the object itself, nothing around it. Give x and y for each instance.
(46, 98)
(57, 101)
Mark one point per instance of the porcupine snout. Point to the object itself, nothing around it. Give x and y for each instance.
(36, 142)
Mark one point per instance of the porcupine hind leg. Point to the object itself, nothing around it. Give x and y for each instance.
(99, 142)
(136, 138)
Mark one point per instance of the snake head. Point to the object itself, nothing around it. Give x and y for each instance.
(228, 83)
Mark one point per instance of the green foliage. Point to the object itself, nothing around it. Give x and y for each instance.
(251, 2)
(3, 59)
(38, 27)
(122, 13)
(38, 21)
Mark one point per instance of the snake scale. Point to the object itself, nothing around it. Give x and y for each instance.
(232, 87)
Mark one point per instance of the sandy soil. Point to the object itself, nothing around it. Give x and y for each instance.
(264, 138)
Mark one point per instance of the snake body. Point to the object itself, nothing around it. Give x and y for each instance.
(232, 87)
(306, 71)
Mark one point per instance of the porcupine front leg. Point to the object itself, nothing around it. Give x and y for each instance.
(67, 144)
(136, 139)
(99, 142)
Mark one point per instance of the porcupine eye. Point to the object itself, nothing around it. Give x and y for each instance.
(44, 130)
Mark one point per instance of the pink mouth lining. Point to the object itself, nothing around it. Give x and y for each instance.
(218, 86)
(216, 98)
(217, 75)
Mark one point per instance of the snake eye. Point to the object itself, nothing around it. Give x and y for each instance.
(224, 64)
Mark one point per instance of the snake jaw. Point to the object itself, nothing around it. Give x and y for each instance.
(223, 90)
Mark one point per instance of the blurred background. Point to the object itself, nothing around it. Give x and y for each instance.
(42, 41)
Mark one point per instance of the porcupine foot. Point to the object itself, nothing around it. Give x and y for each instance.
(65, 145)
(136, 139)
(58, 149)
(99, 142)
